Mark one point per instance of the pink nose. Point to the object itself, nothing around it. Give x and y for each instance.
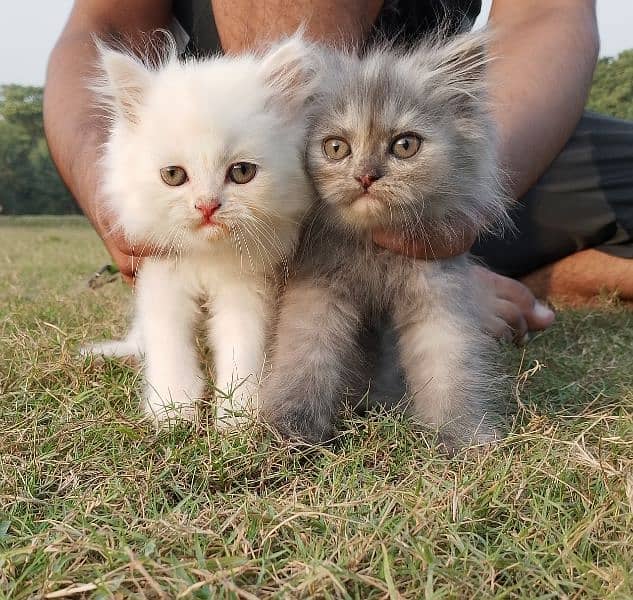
(208, 209)
(367, 179)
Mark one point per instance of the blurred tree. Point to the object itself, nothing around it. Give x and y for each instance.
(29, 183)
(612, 90)
(22, 106)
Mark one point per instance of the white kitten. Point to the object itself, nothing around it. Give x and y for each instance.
(204, 161)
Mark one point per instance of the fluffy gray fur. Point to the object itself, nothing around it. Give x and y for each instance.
(344, 285)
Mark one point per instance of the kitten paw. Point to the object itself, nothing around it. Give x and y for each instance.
(481, 437)
(298, 427)
(227, 420)
(166, 414)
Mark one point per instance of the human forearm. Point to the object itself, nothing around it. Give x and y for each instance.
(73, 128)
(243, 24)
(545, 52)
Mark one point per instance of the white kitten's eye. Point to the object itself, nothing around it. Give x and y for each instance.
(336, 148)
(173, 175)
(242, 172)
(406, 146)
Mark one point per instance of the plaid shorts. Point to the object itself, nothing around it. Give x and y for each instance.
(584, 200)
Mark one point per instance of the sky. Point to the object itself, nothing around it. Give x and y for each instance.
(25, 42)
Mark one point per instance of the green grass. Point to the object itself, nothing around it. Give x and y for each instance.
(91, 496)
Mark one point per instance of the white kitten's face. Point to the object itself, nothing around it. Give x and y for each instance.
(207, 151)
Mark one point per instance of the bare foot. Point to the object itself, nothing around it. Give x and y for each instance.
(510, 309)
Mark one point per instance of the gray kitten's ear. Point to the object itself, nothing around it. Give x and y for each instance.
(123, 82)
(465, 57)
(290, 70)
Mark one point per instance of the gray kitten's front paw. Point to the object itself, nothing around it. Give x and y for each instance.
(456, 437)
(300, 425)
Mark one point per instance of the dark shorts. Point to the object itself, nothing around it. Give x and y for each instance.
(584, 200)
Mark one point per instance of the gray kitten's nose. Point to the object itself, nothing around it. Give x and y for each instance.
(366, 179)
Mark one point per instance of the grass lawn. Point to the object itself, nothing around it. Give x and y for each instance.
(94, 503)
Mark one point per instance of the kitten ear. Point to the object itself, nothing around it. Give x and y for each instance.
(464, 58)
(123, 83)
(290, 70)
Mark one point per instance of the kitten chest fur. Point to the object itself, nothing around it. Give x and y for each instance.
(349, 261)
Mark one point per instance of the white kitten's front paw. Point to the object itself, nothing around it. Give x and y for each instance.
(167, 412)
(227, 419)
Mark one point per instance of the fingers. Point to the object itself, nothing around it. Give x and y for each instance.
(540, 317)
(128, 279)
(128, 263)
(127, 257)
(537, 315)
(513, 311)
(513, 318)
(424, 248)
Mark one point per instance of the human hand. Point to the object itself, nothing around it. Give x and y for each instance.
(127, 257)
(427, 247)
(509, 309)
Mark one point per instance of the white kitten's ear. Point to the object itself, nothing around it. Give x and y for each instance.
(290, 69)
(123, 83)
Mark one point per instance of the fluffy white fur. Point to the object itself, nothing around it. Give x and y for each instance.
(205, 116)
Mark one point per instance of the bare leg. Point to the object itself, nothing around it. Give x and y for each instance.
(580, 278)
(317, 342)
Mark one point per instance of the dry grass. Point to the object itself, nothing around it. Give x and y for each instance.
(94, 503)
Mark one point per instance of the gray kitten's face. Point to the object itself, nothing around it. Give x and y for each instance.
(400, 145)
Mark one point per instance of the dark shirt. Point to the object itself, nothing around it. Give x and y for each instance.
(405, 20)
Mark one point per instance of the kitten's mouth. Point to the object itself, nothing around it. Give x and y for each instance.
(366, 197)
(365, 207)
(212, 228)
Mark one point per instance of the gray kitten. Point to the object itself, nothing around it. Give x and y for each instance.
(402, 140)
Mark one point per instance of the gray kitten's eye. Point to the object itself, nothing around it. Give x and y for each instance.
(406, 146)
(336, 148)
(242, 172)
(173, 175)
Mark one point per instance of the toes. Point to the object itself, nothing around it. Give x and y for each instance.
(499, 329)
(514, 303)
(508, 324)
(537, 315)
(540, 316)
(512, 316)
